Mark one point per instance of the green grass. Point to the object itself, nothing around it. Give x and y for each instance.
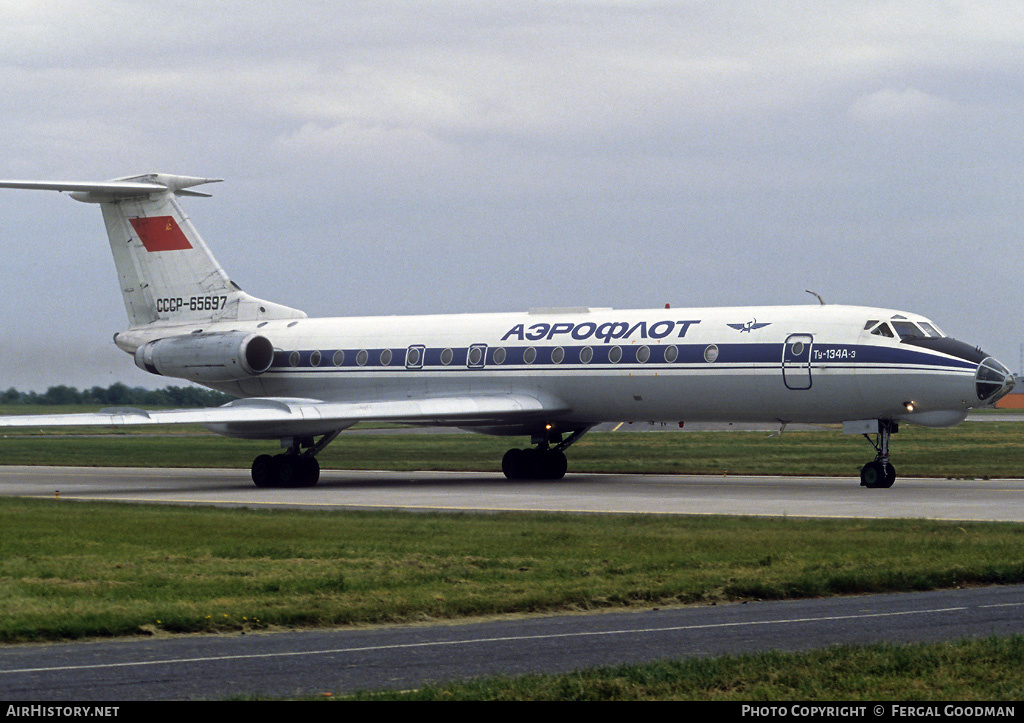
(973, 450)
(989, 671)
(73, 570)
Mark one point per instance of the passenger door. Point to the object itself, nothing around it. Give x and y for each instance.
(796, 361)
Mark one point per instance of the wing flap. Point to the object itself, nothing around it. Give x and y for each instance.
(277, 416)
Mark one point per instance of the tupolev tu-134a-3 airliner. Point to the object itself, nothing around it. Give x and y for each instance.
(547, 374)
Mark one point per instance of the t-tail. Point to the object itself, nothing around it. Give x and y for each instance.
(167, 274)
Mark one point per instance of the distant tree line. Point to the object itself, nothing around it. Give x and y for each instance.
(120, 395)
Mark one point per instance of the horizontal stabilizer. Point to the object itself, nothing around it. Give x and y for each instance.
(104, 191)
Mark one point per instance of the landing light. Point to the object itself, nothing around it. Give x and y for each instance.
(909, 406)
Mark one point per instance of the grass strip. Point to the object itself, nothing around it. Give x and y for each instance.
(73, 570)
(986, 671)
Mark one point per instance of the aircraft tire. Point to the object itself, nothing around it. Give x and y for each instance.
(514, 464)
(263, 471)
(309, 470)
(869, 475)
(285, 472)
(554, 465)
(534, 464)
(875, 475)
(293, 470)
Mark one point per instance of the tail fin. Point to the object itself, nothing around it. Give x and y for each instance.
(167, 273)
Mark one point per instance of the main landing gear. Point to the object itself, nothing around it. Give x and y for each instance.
(543, 462)
(293, 468)
(880, 472)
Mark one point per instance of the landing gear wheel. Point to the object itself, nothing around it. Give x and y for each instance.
(546, 461)
(285, 470)
(513, 464)
(555, 464)
(293, 470)
(877, 475)
(539, 464)
(263, 471)
(309, 471)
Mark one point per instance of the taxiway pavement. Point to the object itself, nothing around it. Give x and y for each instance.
(822, 497)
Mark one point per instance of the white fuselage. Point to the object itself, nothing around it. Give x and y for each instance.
(786, 364)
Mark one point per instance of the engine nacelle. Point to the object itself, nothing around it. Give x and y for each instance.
(214, 357)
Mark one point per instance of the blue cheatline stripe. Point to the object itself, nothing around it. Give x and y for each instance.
(731, 356)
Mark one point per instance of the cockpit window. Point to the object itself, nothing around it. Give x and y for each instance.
(907, 330)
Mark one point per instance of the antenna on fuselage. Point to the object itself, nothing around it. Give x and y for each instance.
(817, 295)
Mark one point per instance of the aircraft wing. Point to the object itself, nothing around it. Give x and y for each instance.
(274, 416)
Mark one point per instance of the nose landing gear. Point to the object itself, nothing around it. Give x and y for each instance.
(880, 473)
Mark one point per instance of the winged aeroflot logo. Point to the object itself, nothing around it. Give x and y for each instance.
(749, 326)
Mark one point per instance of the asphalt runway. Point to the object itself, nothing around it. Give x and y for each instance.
(943, 499)
(310, 662)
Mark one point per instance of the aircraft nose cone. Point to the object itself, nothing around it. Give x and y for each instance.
(993, 381)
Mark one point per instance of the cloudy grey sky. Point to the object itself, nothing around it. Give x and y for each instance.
(388, 157)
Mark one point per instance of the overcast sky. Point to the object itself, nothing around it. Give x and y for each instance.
(423, 157)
